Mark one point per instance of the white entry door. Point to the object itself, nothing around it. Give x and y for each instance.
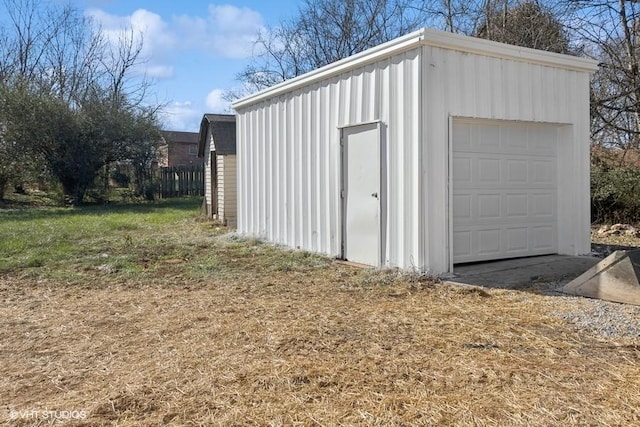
(361, 193)
(504, 189)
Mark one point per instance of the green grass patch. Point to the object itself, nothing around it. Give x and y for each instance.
(108, 237)
(166, 242)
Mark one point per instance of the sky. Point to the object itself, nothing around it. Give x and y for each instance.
(193, 49)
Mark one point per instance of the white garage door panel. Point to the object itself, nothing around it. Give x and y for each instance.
(504, 190)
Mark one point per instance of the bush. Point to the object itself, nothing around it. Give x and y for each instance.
(120, 178)
(615, 193)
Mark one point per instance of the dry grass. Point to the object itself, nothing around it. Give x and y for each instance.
(621, 240)
(239, 333)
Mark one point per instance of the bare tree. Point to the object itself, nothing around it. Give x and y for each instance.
(33, 26)
(73, 57)
(526, 24)
(325, 31)
(456, 16)
(118, 61)
(5, 55)
(610, 32)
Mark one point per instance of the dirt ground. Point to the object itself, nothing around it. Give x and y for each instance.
(311, 343)
(604, 244)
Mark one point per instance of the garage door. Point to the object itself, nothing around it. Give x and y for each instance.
(504, 190)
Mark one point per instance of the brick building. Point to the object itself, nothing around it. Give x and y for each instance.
(179, 148)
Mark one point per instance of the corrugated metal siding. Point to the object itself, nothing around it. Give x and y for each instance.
(289, 158)
(469, 85)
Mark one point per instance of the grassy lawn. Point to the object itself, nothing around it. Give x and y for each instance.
(149, 315)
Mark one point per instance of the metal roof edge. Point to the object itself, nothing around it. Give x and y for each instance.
(365, 57)
(495, 49)
(429, 37)
(202, 136)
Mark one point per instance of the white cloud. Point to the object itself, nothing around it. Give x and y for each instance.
(145, 26)
(227, 31)
(155, 32)
(222, 31)
(181, 116)
(216, 103)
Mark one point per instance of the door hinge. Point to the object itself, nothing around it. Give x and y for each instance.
(342, 194)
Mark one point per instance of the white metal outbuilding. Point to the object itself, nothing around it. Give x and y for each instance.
(429, 150)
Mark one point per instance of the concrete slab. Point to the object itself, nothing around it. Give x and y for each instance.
(521, 272)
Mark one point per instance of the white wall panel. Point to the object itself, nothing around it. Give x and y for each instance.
(459, 84)
(289, 158)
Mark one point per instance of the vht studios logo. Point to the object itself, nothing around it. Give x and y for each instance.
(47, 415)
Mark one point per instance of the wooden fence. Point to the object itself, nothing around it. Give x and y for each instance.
(176, 181)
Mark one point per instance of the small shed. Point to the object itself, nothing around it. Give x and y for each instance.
(427, 151)
(217, 147)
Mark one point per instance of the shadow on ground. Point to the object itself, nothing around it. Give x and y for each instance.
(523, 273)
(544, 273)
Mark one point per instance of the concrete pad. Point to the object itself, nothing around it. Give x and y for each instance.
(521, 272)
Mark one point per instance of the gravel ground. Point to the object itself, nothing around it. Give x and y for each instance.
(606, 319)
